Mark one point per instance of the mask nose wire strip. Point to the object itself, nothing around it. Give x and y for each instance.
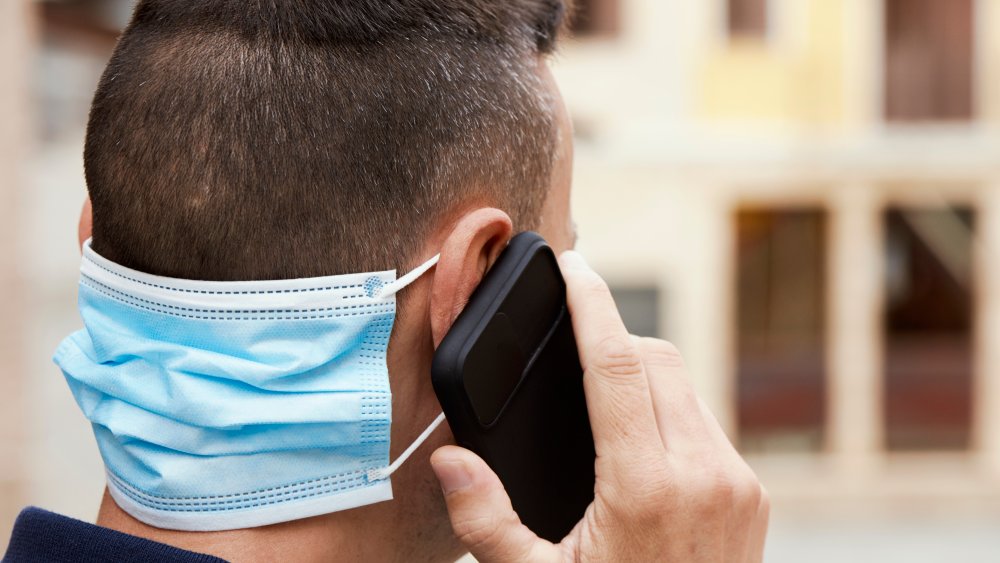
(391, 288)
(385, 472)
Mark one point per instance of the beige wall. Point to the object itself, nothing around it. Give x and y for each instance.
(16, 34)
(795, 75)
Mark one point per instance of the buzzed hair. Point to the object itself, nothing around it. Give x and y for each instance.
(272, 139)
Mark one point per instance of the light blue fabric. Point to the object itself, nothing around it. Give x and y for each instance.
(220, 405)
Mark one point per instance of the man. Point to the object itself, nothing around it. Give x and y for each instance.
(283, 140)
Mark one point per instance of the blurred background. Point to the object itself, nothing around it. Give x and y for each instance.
(804, 195)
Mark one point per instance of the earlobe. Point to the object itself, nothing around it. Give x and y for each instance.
(466, 255)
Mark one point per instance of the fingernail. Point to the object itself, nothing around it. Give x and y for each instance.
(573, 259)
(453, 475)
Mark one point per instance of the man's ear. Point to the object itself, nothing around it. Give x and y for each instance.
(86, 225)
(467, 253)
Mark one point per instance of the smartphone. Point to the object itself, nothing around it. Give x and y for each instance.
(508, 377)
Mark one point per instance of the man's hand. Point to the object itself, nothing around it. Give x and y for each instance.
(670, 486)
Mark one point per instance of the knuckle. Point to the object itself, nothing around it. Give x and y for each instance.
(722, 491)
(729, 489)
(661, 353)
(616, 356)
(718, 490)
(764, 504)
(642, 482)
(746, 477)
(591, 283)
(748, 492)
(713, 486)
(587, 281)
(647, 509)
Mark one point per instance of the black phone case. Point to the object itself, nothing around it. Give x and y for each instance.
(508, 377)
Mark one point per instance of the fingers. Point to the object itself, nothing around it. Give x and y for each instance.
(686, 424)
(693, 434)
(641, 401)
(618, 394)
(481, 513)
(678, 415)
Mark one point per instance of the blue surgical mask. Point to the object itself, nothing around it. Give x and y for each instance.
(223, 405)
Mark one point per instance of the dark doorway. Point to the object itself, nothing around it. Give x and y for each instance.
(747, 18)
(928, 329)
(929, 60)
(781, 328)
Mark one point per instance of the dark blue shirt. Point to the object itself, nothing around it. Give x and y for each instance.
(40, 536)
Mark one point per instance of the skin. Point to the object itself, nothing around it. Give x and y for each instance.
(670, 487)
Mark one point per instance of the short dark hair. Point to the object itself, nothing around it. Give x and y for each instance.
(269, 139)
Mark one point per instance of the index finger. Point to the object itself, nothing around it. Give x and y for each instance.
(618, 396)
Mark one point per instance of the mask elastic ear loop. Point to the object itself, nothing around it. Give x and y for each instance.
(385, 472)
(390, 289)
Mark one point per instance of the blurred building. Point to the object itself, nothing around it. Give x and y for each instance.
(51, 57)
(16, 38)
(804, 195)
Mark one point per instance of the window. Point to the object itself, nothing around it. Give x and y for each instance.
(781, 328)
(928, 329)
(639, 308)
(928, 60)
(77, 38)
(101, 20)
(748, 18)
(596, 18)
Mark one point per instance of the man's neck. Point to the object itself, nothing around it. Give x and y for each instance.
(322, 538)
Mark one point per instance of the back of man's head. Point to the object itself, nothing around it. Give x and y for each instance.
(274, 139)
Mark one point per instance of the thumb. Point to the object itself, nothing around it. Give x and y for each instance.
(481, 514)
